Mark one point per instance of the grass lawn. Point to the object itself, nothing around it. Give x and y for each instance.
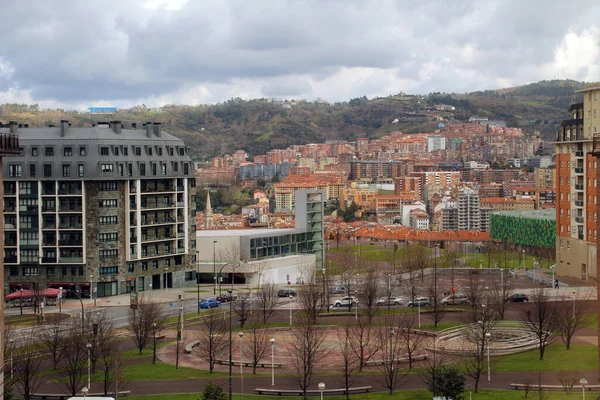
(513, 260)
(20, 319)
(441, 325)
(421, 394)
(556, 358)
(162, 371)
(135, 353)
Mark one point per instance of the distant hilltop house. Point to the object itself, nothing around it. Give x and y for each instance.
(479, 120)
(444, 107)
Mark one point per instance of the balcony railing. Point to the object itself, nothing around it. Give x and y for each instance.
(70, 226)
(579, 203)
(579, 170)
(9, 143)
(10, 226)
(66, 260)
(10, 259)
(64, 208)
(579, 153)
(67, 242)
(579, 220)
(48, 260)
(578, 187)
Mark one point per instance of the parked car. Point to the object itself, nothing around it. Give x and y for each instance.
(518, 298)
(345, 301)
(419, 301)
(210, 303)
(337, 290)
(286, 293)
(454, 299)
(226, 297)
(389, 301)
(512, 273)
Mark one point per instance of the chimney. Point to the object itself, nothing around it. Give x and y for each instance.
(13, 126)
(157, 129)
(64, 127)
(116, 125)
(149, 129)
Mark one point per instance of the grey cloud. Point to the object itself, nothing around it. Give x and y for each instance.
(286, 87)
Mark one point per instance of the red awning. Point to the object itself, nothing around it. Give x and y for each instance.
(59, 284)
(20, 294)
(24, 285)
(51, 292)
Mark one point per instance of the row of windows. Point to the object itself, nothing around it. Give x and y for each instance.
(50, 271)
(108, 220)
(116, 150)
(107, 186)
(108, 253)
(154, 168)
(153, 263)
(109, 270)
(109, 237)
(49, 151)
(16, 170)
(107, 203)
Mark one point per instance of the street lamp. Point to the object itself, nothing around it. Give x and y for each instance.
(523, 258)
(166, 279)
(230, 354)
(553, 268)
(389, 290)
(214, 268)
(487, 336)
(11, 341)
(583, 382)
(89, 349)
(573, 292)
(291, 297)
(92, 292)
(198, 278)
(21, 299)
(84, 391)
(154, 346)
(272, 361)
(321, 388)
(241, 334)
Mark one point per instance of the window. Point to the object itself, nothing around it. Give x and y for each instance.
(130, 268)
(120, 169)
(108, 220)
(47, 170)
(171, 151)
(163, 168)
(26, 188)
(149, 150)
(104, 151)
(181, 151)
(129, 169)
(154, 264)
(14, 271)
(153, 168)
(189, 275)
(50, 271)
(27, 222)
(144, 265)
(29, 271)
(80, 270)
(67, 151)
(108, 237)
(107, 186)
(125, 151)
(32, 170)
(82, 151)
(568, 244)
(80, 170)
(63, 271)
(561, 244)
(137, 151)
(108, 253)
(109, 270)
(34, 151)
(186, 168)
(106, 167)
(15, 170)
(143, 169)
(159, 151)
(107, 203)
(116, 151)
(66, 170)
(49, 151)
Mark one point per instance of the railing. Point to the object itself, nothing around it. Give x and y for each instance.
(10, 243)
(49, 209)
(49, 226)
(157, 205)
(74, 192)
(578, 187)
(62, 208)
(579, 170)
(544, 280)
(66, 242)
(180, 250)
(10, 260)
(579, 220)
(9, 226)
(9, 208)
(579, 203)
(9, 143)
(70, 226)
(579, 153)
(70, 260)
(48, 259)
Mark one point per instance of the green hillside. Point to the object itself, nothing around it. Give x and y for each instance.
(260, 125)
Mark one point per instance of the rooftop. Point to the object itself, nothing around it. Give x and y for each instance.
(549, 214)
(246, 232)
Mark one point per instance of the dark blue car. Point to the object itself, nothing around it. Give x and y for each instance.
(210, 303)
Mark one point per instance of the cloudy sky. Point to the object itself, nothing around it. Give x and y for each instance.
(78, 53)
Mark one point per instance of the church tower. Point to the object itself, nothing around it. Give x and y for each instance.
(208, 213)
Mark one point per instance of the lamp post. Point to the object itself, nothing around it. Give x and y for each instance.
(583, 382)
(11, 342)
(166, 279)
(389, 290)
(419, 312)
(487, 336)
(523, 259)
(553, 268)
(92, 293)
(154, 345)
(324, 294)
(241, 334)
(291, 297)
(272, 361)
(230, 354)
(84, 391)
(21, 299)
(198, 278)
(573, 292)
(89, 349)
(60, 296)
(321, 388)
(214, 268)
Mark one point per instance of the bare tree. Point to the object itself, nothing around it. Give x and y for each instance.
(27, 365)
(9, 349)
(364, 342)
(541, 318)
(52, 339)
(571, 317)
(73, 365)
(370, 290)
(410, 341)
(479, 336)
(391, 349)
(432, 370)
(307, 349)
(435, 296)
(309, 297)
(147, 313)
(257, 341)
(243, 306)
(498, 294)
(567, 380)
(476, 292)
(266, 301)
(416, 258)
(213, 340)
(350, 363)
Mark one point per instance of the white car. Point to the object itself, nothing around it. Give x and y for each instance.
(391, 301)
(345, 302)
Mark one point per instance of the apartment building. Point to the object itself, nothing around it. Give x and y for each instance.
(374, 170)
(361, 195)
(419, 219)
(329, 184)
(508, 204)
(468, 204)
(576, 186)
(107, 204)
(544, 178)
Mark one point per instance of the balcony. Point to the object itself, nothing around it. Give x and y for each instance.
(159, 221)
(9, 144)
(49, 208)
(10, 243)
(70, 260)
(578, 187)
(70, 191)
(579, 220)
(10, 209)
(48, 260)
(9, 226)
(579, 170)
(49, 226)
(579, 203)
(69, 226)
(180, 203)
(156, 205)
(66, 208)
(579, 153)
(69, 242)
(180, 250)
(10, 259)
(49, 243)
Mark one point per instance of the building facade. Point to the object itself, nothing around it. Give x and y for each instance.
(576, 183)
(103, 207)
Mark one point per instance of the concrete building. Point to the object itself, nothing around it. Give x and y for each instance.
(469, 215)
(576, 185)
(254, 256)
(544, 178)
(106, 206)
(9, 146)
(436, 143)
(419, 219)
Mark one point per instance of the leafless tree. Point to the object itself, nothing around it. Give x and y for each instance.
(109, 359)
(27, 365)
(307, 349)
(416, 258)
(147, 313)
(476, 292)
(434, 364)
(243, 306)
(410, 341)
(567, 380)
(256, 341)
(571, 317)
(266, 301)
(541, 318)
(350, 363)
(498, 294)
(435, 296)
(391, 349)
(73, 365)
(309, 297)
(9, 349)
(364, 341)
(52, 339)
(369, 290)
(479, 335)
(213, 340)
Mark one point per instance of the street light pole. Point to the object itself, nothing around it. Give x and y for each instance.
(241, 334)
(214, 268)
(92, 293)
(583, 382)
(573, 292)
(389, 290)
(21, 299)
(272, 361)
(11, 341)
(230, 353)
(487, 335)
(154, 346)
(321, 388)
(89, 349)
(198, 278)
(291, 297)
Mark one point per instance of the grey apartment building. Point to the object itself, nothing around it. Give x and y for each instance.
(110, 205)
